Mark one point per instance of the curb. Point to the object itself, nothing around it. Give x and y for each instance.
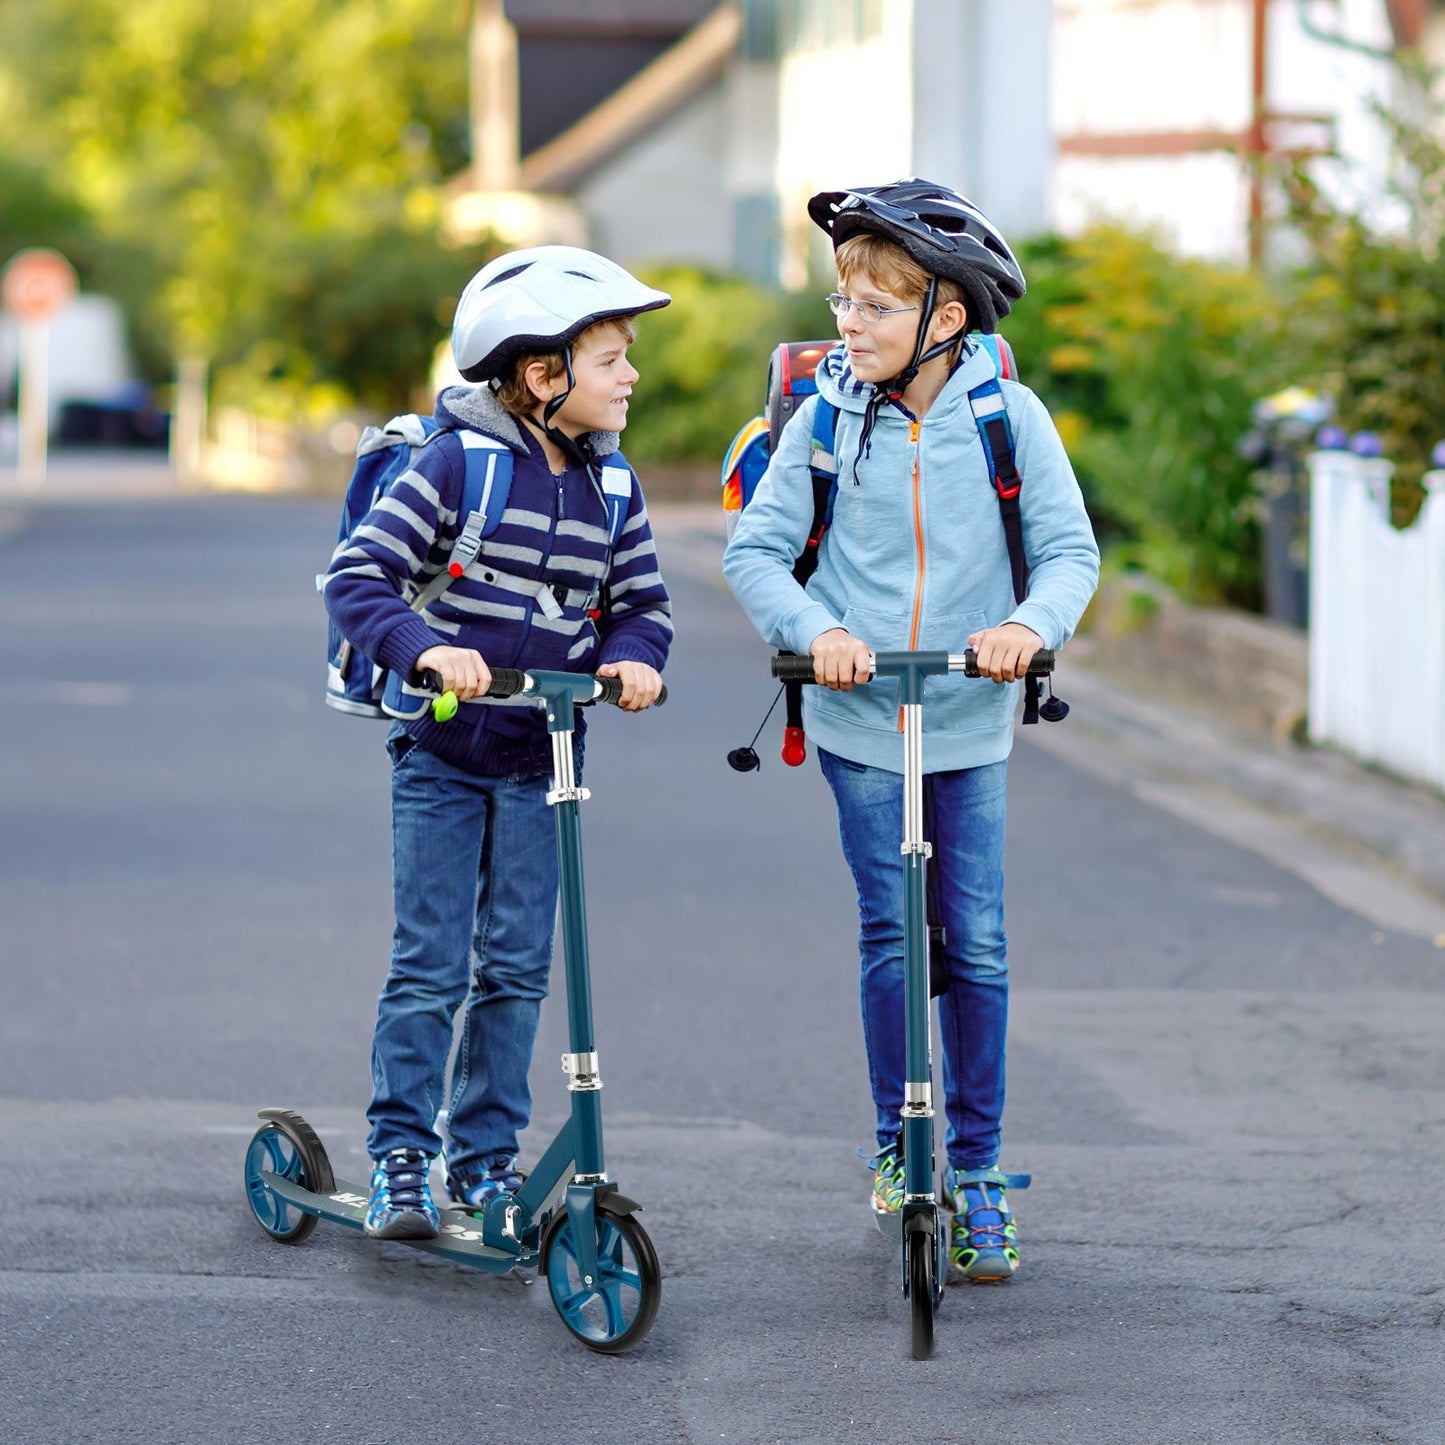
(1371, 841)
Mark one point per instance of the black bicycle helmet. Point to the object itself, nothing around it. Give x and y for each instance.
(943, 231)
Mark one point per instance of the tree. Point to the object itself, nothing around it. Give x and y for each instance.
(270, 163)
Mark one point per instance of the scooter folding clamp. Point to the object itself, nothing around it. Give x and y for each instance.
(583, 1071)
(567, 795)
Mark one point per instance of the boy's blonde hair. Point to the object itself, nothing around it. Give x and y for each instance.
(888, 265)
(514, 393)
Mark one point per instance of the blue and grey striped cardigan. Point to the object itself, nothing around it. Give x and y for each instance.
(553, 532)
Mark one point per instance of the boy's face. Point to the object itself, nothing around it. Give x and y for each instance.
(603, 382)
(877, 350)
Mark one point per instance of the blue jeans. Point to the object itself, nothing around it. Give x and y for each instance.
(474, 883)
(973, 1012)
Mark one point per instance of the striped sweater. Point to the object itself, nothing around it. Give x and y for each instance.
(553, 531)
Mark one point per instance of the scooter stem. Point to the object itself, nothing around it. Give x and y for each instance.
(561, 692)
(911, 669)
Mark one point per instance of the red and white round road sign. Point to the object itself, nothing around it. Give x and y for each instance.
(36, 284)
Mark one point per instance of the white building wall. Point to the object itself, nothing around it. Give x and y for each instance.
(662, 198)
(1128, 67)
(981, 105)
(844, 119)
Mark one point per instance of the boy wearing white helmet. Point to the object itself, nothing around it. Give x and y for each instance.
(916, 557)
(542, 335)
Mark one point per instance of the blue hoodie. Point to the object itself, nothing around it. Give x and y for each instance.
(914, 558)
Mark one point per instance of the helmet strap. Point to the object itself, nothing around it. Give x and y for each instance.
(577, 451)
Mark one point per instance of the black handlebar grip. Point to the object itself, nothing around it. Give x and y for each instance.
(611, 691)
(789, 667)
(1041, 664)
(506, 682)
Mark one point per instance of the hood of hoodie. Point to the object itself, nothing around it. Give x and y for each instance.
(477, 407)
(837, 383)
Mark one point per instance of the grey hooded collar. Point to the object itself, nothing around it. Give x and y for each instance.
(478, 407)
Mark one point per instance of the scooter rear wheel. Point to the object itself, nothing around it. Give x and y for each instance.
(613, 1311)
(919, 1263)
(286, 1145)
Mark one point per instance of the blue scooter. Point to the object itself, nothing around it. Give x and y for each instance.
(568, 1218)
(918, 1228)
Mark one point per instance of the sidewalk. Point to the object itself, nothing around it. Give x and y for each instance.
(1367, 840)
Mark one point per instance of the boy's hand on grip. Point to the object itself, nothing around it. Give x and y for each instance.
(840, 659)
(641, 684)
(1004, 652)
(461, 670)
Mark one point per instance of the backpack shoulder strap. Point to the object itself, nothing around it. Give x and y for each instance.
(486, 485)
(615, 475)
(995, 431)
(823, 466)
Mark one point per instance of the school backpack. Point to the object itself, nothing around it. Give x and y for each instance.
(359, 686)
(791, 380)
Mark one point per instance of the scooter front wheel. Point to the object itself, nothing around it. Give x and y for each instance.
(286, 1145)
(611, 1311)
(919, 1265)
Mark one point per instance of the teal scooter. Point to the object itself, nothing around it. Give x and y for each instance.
(918, 1228)
(568, 1219)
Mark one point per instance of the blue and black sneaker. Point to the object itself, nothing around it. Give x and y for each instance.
(476, 1194)
(401, 1205)
(983, 1241)
(887, 1195)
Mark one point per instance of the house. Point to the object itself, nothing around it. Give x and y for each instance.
(721, 119)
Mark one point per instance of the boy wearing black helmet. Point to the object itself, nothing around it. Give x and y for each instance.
(542, 334)
(915, 557)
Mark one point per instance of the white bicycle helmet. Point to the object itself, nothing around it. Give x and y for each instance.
(538, 300)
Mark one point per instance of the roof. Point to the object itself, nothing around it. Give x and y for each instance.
(667, 82)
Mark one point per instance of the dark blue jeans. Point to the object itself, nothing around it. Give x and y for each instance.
(474, 883)
(973, 1012)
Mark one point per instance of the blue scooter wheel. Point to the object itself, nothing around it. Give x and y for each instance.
(615, 1309)
(286, 1145)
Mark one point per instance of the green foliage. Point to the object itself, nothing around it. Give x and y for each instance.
(241, 168)
(1371, 313)
(703, 361)
(1151, 365)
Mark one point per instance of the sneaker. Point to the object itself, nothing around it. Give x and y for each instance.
(983, 1239)
(887, 1181)
(401, 1206)
(501, 1178)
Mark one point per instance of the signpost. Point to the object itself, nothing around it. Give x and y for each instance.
(35, 285)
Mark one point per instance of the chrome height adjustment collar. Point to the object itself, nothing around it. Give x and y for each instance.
(581, 1070)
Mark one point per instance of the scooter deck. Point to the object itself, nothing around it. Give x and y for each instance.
(460, 1237)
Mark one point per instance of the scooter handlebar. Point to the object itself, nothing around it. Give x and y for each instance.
(509, 681)
(789, 667)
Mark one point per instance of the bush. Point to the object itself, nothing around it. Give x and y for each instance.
(1371, 318)
(703, 361)
(1151, 365)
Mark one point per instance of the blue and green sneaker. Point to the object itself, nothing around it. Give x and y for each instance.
(501, 1178)
(983, 1239)
(887, 1180)
(400, 1206)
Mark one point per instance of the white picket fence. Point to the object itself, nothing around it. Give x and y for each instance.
(1377, 619)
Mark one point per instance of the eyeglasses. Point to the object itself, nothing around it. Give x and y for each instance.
(868, 312)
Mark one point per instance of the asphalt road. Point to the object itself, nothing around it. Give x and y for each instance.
(1228, 1088)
